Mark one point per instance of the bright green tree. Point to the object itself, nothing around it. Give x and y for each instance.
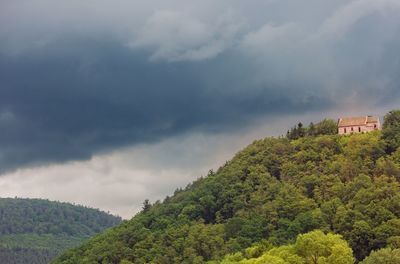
(319, 248)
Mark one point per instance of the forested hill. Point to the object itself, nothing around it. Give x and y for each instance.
(312, 197)
(35, 231)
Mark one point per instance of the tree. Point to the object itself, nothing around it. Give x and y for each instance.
(391, 130)
(311, 248)
(301, 130)
(146, 205)
(293, 133)
(326, 127)
(383, 256)
(311, 129)
(394, 242)
(296, 132)
(317, 248)
(361, 238)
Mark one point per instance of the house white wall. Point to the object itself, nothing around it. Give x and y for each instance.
(358, 129)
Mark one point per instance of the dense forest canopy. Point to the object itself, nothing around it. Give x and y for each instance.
(35, 231)
(273, 200)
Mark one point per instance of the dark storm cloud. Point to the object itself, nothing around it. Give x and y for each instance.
(75, 83)
(81, 97)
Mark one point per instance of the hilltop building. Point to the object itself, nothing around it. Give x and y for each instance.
(361, 124)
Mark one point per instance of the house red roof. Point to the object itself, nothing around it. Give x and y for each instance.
(357, 121)
(372, 119)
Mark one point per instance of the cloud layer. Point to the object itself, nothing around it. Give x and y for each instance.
(120, 181)
(80, 78)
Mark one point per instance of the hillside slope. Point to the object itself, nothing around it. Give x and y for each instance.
(35, 231)
(269, 193)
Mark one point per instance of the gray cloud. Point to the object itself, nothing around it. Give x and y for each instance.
(178, 37)
(79, 78)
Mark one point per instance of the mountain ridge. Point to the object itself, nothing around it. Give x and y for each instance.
(270, 192)
(37, 230)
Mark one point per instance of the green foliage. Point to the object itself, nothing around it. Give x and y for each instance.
(325, 127)
(296, 132)
(44, 241)
(35, 231)
(383, 256)
(391, 130)
(311, 248)
(26, 256)
(316, 247)
(146, 205)
(21, 216)
(268, 194)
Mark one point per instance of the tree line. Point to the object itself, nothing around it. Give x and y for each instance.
(34, 231)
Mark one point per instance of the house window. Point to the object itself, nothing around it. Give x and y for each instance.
(352, 129)
(345, 130)
(375, 126)
(359, 129)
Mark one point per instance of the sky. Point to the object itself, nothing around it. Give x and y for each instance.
(108, 103)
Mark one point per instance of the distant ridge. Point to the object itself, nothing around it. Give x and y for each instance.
(34, 231)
